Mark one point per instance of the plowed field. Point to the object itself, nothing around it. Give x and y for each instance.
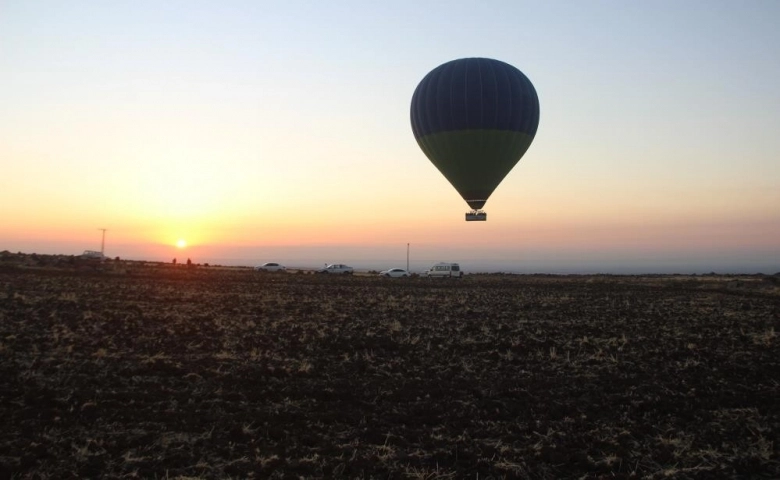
(160, 372)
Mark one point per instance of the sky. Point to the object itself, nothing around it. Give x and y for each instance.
(260, 131)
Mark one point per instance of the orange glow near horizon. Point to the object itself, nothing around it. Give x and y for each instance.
(499, 233)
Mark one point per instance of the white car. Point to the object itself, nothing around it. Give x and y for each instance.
(270, 267)
(337, 268)
(394, 272)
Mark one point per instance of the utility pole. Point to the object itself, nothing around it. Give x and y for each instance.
(407, 257)
(103, 242)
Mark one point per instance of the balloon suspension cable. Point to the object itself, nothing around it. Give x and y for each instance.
(476, 216)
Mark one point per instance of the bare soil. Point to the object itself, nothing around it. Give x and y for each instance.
(122, 370)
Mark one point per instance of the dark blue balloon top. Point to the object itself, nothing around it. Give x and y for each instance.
(474, 94)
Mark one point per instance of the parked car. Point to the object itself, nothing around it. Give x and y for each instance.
(394, 272)
(445, 270)
(270, 267)
(337, 268)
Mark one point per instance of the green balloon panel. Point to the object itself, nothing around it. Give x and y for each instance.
(475, 161)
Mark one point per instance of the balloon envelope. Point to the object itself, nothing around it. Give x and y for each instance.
(474, 118)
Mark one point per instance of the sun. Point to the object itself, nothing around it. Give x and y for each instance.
(181, 243)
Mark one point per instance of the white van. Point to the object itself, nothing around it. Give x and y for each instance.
(445, 270)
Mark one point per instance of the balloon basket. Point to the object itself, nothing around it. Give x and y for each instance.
(476, 216)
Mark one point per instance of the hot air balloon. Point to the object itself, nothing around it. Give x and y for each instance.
(474, 118)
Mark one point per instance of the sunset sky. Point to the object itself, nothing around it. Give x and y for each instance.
(279, 131)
